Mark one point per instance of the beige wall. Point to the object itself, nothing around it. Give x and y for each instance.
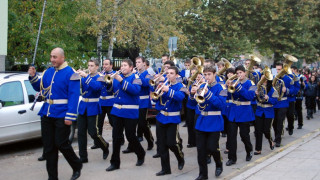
(3, 32)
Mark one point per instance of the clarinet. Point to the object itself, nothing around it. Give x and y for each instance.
(35, 101)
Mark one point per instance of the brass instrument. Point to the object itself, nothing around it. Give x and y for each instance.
(195, 75)
(158, 92)
(227, 65)
(108, 78)
(262, 89)
(152, 82)
(278, 83)
(249, 70)
(232, 87)
(200, 97)
(195, 61)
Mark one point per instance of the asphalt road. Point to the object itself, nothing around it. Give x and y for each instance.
(19, 161)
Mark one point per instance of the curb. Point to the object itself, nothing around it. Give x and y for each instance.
(262, 162)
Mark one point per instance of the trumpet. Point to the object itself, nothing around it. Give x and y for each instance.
(152, 82)
(232, 87)
(200, 97)
(262, 90)
(158, 92)
(108, 78)
(193, 77)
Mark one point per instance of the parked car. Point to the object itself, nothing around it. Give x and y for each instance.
(17, 121)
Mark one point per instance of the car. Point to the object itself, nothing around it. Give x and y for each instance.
(17, 121)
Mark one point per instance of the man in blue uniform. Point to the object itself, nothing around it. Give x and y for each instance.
(210, 122)
(241, 102)
(299, 97)
(125, 110)
(59, 86)
(280, 109)
(89, 110)
(170, 105)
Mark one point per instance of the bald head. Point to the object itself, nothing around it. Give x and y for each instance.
(57, 57)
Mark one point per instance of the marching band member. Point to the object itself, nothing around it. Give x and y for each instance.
(88, 111)
(59, 86)
(265, 115)
(299, 97)
(170, 104)
(125, 110)
(145, 103)
(185, 73)
(280, 109)
(241, 98)
(209, 123)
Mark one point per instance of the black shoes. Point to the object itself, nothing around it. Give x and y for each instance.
(230, 162)
(299, 127)
(257, 153)
(201, 177)
(112, 168)
(84, 160)
(223, 135)
(208, 159)
(41, 158)
(76, 174)
(226, 151)
(181, 164)
(127, 151)
(140, 162)
(271, 144)
(278, 144)
(94, 147)
(156, 155)
(218, 171)
(185, 125)
(162, 173)
(105, 153)
(191, 145)
(150, 146)
(290, 131)
(249, 156)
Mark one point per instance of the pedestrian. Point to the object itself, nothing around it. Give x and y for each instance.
(311, 93)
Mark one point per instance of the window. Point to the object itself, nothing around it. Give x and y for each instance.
(30, 91)
(11, 94)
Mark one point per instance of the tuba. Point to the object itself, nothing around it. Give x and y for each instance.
(289, 59)
(232, 87)
(227, 65)
(262, 89)
(195, 61)
(158, 92)
(278, 83)
(249, 71)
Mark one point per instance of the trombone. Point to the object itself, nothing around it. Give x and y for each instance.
(158, 92)
(108, 78)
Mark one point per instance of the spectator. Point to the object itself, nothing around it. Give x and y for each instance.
(311, 94)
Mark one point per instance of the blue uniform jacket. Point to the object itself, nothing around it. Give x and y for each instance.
(290, 88)
(126, 100)
(171, 101)
(183, 76)
(144, 94)
(214, 103)
(107, 96)
(268, 111)
(295, 82)
(245, 92)
(57, 84)
(91, 88)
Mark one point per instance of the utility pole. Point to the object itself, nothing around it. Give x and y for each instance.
(99, 38)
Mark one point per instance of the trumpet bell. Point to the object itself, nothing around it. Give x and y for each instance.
(267, 73)
(154, 96)
(152, 82)
(108, 79)
(200, 99)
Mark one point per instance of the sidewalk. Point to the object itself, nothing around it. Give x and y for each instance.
(298, 160)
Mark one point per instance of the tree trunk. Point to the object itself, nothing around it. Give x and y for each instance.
(113, 28)
(99, 38)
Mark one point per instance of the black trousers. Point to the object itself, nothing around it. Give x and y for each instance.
(207, 143)
(262, 126)
(144, 126)
(279, 117)
(190, 125)
(225, 121)
(168, 138)
(232, 138)
(55, 136)
(298, 108)
(89, 124)
(129, 126)
(290, 115)
(310, 104)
